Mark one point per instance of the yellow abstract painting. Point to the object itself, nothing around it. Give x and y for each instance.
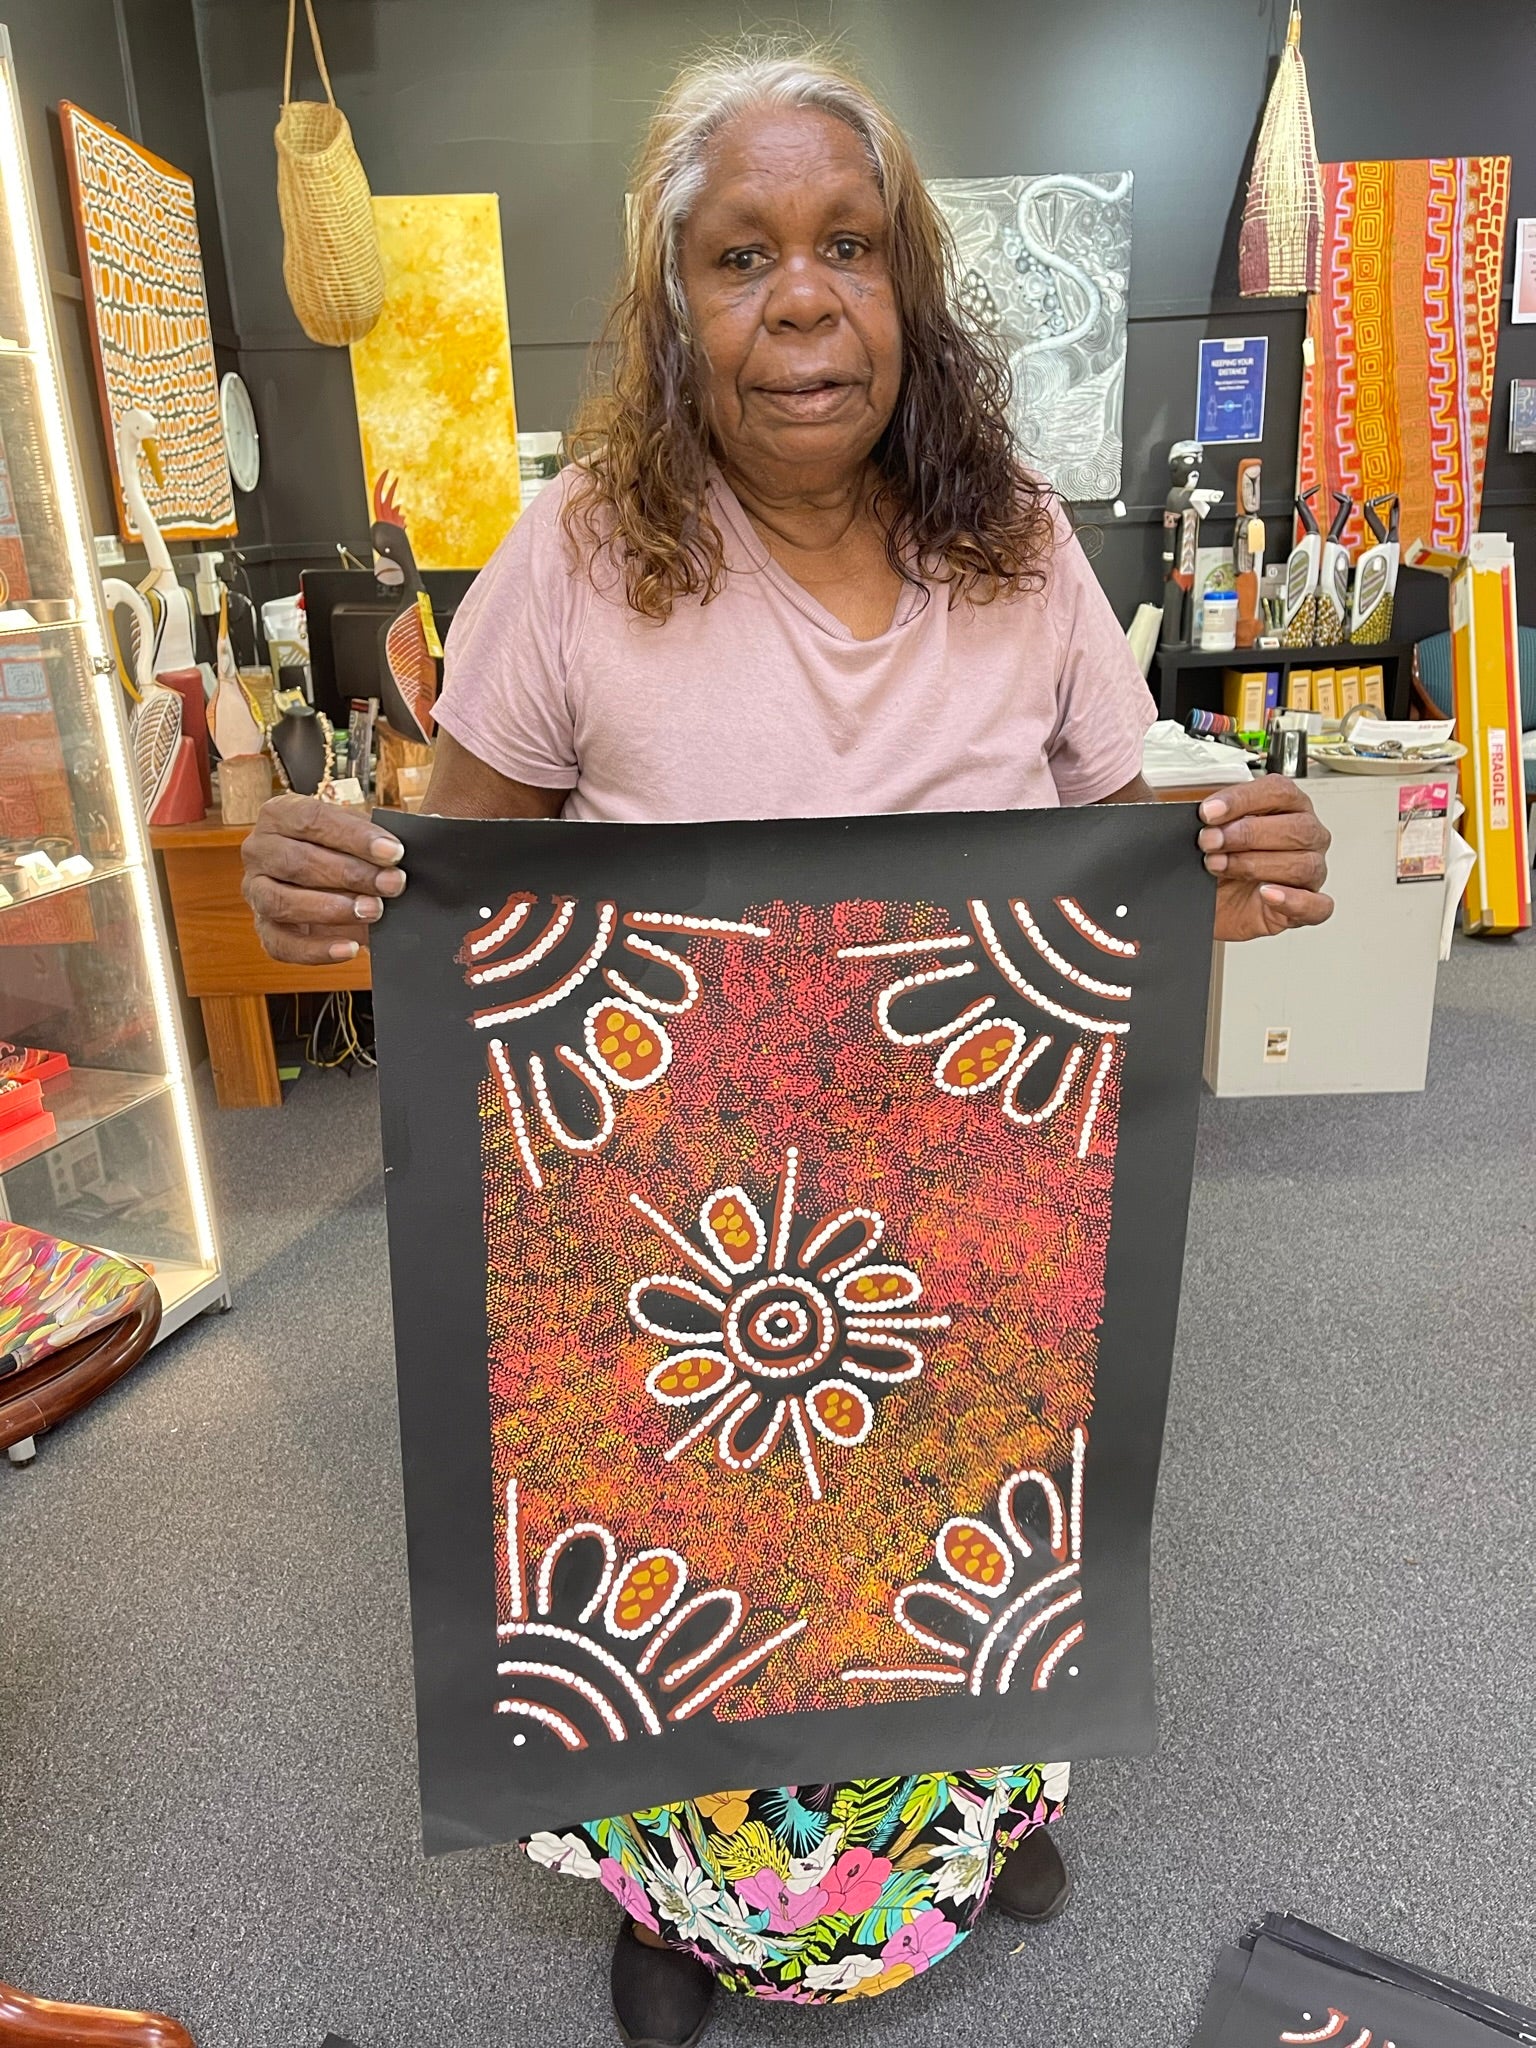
(433, 380)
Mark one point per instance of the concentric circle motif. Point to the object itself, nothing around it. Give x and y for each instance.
(780, 1327)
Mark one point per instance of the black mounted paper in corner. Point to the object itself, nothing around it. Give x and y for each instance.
(786, 1224)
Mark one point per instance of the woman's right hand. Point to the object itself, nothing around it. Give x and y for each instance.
(316, 877)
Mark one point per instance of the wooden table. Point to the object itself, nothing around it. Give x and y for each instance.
(223, 963)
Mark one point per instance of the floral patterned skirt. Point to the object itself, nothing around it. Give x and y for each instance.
(816, 1893)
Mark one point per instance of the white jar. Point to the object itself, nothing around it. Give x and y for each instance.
(1218, 628)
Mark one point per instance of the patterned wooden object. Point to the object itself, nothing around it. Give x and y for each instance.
(141, 264)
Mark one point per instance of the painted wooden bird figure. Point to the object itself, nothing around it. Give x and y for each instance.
(409, 671)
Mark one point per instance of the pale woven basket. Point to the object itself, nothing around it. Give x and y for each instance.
(1280, 250)
(331, 262)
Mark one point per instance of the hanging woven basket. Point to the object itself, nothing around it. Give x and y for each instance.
(331, 262)
(1280, 250)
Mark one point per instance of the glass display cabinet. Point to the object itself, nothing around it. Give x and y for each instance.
(100, 1144)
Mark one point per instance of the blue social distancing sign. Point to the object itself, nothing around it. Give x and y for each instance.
(1232, 379)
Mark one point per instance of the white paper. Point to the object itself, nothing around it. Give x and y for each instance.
(1424, 732)
(1173, 758)
(1459, 863)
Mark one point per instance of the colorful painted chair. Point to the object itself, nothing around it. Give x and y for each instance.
(72, 1320)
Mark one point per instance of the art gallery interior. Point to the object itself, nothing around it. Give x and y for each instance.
(549, 620)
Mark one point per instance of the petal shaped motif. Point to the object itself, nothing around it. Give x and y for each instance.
(688, 1376)
(646, 1310)
(644, 1593)
(875, 1287)
(627, 1043)
(732, 1226)
(981, 1059)
(843, 1414)
(974, 1556)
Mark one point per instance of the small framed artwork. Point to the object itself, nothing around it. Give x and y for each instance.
(1522, 416)
(1524, 312)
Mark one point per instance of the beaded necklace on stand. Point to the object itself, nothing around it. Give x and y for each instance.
(328, 778)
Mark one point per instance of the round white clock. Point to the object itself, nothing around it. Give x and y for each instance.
(240, 436)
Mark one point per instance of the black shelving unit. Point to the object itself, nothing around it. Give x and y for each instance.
(1188, 679)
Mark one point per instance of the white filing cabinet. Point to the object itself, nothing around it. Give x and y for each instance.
(1344, 1008)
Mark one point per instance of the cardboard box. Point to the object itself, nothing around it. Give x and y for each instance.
(1298, 690)
(1325, 692)
(1373, 690)
(1349, 691)
(1485, 665)
(1245, 697)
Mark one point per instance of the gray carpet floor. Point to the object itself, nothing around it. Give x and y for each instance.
(207, 1791)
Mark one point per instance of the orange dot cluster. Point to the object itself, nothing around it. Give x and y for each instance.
(972, 1552)
(627, 1045)
(976, 1059)
(732, 1228)
(643, 1589)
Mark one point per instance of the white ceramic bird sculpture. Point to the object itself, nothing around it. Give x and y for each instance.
(175, 623)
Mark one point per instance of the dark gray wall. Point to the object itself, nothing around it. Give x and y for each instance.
(133, 63)
(543, 101)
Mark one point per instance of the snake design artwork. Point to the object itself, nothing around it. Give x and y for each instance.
(1044, 264)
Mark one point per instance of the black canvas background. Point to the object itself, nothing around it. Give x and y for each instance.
(1255, 1998)
(476, 1787)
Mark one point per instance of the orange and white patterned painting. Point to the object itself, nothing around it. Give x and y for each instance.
(1398, 392)
(433, 379)
(141, 264)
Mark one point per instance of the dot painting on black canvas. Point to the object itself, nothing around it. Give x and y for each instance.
(786, 1224)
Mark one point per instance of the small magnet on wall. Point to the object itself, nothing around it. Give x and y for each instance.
(1308, 353)
(1119, 508)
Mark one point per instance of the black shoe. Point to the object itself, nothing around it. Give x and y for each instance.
(1033, 1884)
(661, 1998)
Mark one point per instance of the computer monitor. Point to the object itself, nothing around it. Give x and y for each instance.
(344, 609)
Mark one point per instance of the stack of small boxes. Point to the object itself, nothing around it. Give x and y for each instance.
(1251, 695)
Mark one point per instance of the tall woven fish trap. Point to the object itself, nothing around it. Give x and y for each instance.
(1280, 250)
(331, 261)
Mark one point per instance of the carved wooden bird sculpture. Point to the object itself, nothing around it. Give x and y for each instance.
(408, 666)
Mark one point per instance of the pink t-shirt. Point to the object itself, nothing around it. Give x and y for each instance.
(761, 704)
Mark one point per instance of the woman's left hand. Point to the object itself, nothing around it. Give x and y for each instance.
(1267, 848)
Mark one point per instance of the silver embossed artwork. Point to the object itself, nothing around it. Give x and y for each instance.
(1045, 263)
